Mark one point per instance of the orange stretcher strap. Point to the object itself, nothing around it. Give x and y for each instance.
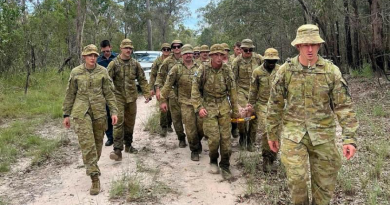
(242, 120)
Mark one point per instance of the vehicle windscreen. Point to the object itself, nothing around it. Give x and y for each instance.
(146, 57)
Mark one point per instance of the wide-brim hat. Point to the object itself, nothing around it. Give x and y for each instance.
(126, 43)
(197, 49)
(217, 48)
(204, 48)
(187, 48)
(90, 49)
(165, 45)
(225, 46)
(247, 43)
(177, 42)
(271, 54)
(307, 33)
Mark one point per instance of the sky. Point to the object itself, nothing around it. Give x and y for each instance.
(192, 21)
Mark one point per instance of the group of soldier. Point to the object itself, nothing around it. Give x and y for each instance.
(211, 95)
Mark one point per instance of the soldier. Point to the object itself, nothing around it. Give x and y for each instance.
(173, 103)
(226, 57)
(165, 117)
(124, 70)
(237, 51)
(180, 77)
(204, 53)
(259, 92)
(196, 52)
(314, 91)
(212, 88)
(243, 67)
(88, 91)
(104, 59)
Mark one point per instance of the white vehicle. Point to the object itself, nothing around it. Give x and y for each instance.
(146, 59)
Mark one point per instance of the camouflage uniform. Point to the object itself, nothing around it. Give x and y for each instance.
(180, 77)
(86, 96)
(211, 90)
(204, 48)
(173, 102)
(258, 97)
(242, 70)
(232, 57)
(124, 73)
(313, 95)
(165, 118)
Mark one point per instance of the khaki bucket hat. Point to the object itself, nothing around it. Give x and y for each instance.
(271, 54)
(308, 33)
(187, 48)
(217, 48)
(225, 46)
(165, 45)
(247, 43)
(177, 42)
(196, 49)
(204, 48)
(126, 43)
(90, 49)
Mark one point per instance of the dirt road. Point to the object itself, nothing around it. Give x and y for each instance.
(160, 160)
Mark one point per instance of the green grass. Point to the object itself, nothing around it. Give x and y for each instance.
(152, 124)
(19, 140)
(44, 96)
(364, 71)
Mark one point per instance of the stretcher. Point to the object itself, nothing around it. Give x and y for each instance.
(243, 120)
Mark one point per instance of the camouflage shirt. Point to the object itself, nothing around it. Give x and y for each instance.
(261, 86)
(243, 68)
(231, 58)
(163, 71)
(89, 91)
(310, 95)
(124, 74)
(153, 73)
(181, 78)
(213, 88)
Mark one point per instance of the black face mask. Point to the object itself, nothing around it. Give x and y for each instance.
(270, 64)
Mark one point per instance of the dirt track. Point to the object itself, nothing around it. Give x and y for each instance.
(161, 159)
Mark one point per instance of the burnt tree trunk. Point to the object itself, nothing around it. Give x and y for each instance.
(377, 31)
(348, 40)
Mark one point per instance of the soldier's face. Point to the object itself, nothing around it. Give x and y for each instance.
(90, 60)
(106, 51)
(196, 55)
(308, 51)
(176, 48)
(126, 51)
(247, 52)
(216, 59)
(204, 55)
(237, 50)
(166, 51)
(187, 57)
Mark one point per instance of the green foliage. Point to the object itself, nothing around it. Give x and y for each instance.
(365, 71)
(152, 124)
(44, 97)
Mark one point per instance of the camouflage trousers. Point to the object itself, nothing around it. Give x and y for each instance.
(90, 134)
(165, 119)
(123, 130)
(325, 162)
(247, 129)
(174, 107)
(217, 128)
(258, 128)
(193, 126)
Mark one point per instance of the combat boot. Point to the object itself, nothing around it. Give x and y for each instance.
(214, 169)
(163, 132)
(130, 149)
(226, 174)
(194, 156)
(116, 155)
(95, 188)
(182, 143)
(235, 133)
(169, 129)
(267, 164)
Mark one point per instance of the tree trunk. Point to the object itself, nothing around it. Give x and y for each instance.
(80, 20)
(377, 31)
(356, 41)
(348, 40)
(150, 45)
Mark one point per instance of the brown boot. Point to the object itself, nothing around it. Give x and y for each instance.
(95, 188)
(116, 155)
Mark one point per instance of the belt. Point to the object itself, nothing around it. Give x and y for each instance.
(215, 99)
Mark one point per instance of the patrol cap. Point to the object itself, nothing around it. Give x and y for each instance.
(90, 49)
(271, 54)
(247, 43)
(187, 48)
(204, 48)
(308, 33)
(127, 43)
(217, 48)
(165, 45)
(225, 46)
(177, 42)
(196, 49)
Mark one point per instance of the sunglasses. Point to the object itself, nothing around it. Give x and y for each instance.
(246, 50)
(176, 47)
(196, 53)
(166, 49)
